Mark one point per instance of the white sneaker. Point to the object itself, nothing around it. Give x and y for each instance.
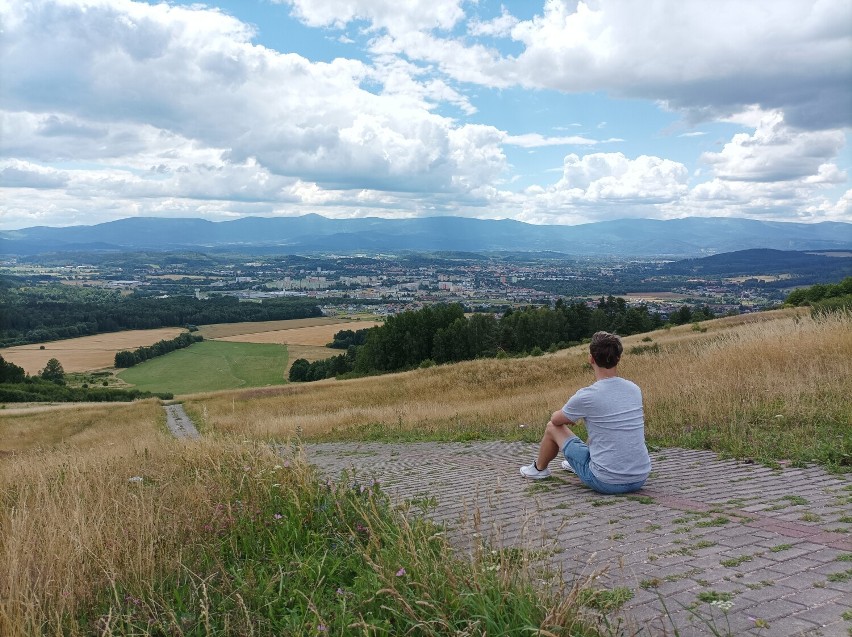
(567, 466)
(530, 471)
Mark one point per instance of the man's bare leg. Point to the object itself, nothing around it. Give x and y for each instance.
(555, 437)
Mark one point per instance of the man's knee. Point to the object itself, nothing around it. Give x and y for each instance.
(558, 433)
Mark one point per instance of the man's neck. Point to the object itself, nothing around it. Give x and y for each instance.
(602, 373)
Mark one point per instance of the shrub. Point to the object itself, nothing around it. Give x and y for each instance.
(645, 349)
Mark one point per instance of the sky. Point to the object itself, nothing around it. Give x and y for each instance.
(554, 112)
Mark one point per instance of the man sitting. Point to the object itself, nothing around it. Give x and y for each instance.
(616, 459)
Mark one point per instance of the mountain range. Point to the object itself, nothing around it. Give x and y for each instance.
(688, 237)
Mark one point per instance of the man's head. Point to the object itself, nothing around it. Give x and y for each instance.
(605, 349)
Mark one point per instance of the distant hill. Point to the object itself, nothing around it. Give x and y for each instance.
(676, 238)
(765, 261)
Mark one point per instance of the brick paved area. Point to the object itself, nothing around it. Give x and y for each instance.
(776, 543)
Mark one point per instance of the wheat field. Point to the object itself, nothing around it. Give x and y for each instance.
(226, 330)
(85, 353)
(316, 335)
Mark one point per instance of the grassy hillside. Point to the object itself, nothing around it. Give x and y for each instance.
(772, 386)
(211, 366)
(109, 526)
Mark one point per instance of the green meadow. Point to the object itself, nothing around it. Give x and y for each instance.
(211, 366)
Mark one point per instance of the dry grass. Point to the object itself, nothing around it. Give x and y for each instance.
(224, 330)
(86, 353)
(310, 353)
(729, 386)
(73, 526)
(78, 426)
(68, 515)
(72, 523)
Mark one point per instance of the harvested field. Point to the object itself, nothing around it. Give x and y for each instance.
(766, 278)
(655, 296)
(86, 353)
(315, 335)
(311, 353)
(224, 330)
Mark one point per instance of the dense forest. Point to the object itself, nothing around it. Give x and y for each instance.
(443, 334)
(53, 312)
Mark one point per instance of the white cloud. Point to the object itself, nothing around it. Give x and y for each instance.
(21, 174)
(700, 56)
(775, 152)
(708, 59)
(193, 75)
(534, 140)
(500, 26)
(130, 108)
(394, 16)
(611, 184)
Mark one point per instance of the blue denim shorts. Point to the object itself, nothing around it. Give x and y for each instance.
(576, 452)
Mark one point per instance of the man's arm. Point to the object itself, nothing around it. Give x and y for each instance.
(560, 419)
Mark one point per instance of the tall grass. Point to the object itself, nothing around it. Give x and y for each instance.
(773, 386)
(224, 537)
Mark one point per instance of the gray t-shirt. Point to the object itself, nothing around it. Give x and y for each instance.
(612, 410)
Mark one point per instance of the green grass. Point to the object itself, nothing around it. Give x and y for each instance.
(211, 366)
(714, 596)
(780, 547)
(736, 561)
(288, 554)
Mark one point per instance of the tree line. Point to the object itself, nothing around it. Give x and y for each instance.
(16, 386)
(129, 358)
(47, 313)
(443, 334)
(823, 296)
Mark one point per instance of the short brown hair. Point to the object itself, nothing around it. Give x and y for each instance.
(606, 349)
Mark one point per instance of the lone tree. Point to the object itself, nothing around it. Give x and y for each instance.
(53, 372)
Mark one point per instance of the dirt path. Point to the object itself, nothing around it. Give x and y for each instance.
(179, 423)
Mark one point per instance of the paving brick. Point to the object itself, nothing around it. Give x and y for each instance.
(774, 609)
(481, 498)
(791, 566)
(812, 597)
(823, 615)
